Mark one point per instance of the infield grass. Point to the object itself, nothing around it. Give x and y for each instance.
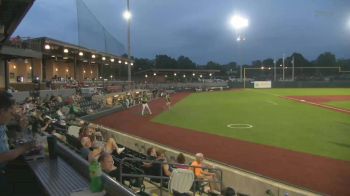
(276, 121)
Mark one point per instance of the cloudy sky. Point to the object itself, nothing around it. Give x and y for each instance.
(200, 29)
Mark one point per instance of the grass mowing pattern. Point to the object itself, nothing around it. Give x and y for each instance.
(277, 122)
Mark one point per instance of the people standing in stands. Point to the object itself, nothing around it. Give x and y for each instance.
(144, 101)
(7, 113)
(107, 165)
(202, 174)
(168, 101)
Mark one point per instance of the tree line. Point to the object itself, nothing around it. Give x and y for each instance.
(232, 69)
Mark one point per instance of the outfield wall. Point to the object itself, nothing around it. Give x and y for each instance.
(296, 84)
(243, 181)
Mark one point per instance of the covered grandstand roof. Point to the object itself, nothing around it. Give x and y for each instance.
(11, 14)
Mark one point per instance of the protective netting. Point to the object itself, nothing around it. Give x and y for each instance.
(92, 34)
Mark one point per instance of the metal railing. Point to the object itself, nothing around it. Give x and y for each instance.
(163, 179)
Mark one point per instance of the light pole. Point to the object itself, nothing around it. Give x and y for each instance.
(283, 68)
(239, 23)
(127, 16)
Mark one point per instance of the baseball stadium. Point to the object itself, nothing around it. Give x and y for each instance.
(87, 117)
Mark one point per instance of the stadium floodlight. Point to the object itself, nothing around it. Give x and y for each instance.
(65, 50)
(154, 74)
(119, 61)
(47, 47)
(81, 53)
(103, 58)
(93, 56)
(239, 22)
(127, 15)
(112, 60)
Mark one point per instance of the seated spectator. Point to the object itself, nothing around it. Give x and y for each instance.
(201, 174)
(107, 165)
(166, 168)
(151, 155)
(180, 159)
(160, 168)
(86, 145)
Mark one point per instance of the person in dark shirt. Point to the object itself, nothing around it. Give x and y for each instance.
(107, 165)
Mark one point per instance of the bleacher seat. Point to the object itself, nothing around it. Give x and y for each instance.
(180, 181)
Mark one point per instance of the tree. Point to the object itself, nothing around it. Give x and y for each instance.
(213, 65)
(142, 64)
(326, 59)
(166, 62)
(268, 62)
(256, 63)
(185, 63)
(231, 69)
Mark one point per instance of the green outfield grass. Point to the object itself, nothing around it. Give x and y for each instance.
(276, 121)
(340, 104)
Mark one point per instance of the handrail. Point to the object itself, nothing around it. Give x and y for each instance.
(162, 178)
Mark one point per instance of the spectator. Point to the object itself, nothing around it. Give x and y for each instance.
(107, 165)
(7, 113)
(111, 146)
(86, 145)
(160, 168)
(180, 159)
(151, 155)
(201, 174)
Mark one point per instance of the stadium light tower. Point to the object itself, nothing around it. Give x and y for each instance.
(239, 23)
(127, 16)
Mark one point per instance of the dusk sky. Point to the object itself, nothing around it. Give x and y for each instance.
(200, 29)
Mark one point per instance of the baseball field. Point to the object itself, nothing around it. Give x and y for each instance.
(313, 121)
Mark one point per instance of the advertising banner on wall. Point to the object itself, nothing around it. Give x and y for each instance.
(262, 84)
